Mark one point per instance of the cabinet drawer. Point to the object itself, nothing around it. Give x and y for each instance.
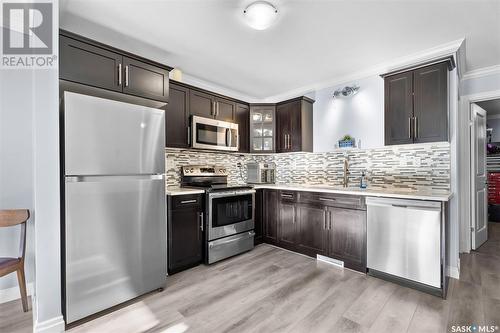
(186, 201)
(333, 200)
(288, 196)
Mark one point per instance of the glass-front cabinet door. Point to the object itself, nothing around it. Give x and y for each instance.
(262, 128)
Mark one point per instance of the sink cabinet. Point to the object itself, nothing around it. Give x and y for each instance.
(313, 223)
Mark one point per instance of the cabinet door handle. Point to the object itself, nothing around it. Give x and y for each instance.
(409, 127)
(415, 126)
(201, 221)
(330, 220)
(327, 199)
(188, 201)
(126, 76)
(119, 74)
(189, 135)
(212, 111)
(217, 109)
(288, 196)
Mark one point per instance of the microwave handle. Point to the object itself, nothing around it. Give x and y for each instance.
(228, 137)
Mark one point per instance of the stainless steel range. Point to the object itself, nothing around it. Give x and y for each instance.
(229, 212)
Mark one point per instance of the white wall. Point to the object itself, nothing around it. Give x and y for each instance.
(16, 167)
(361, 116)
(29, 178)
(480, 84)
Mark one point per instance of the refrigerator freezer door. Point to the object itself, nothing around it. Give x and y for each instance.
(106, 137)
(115, 241)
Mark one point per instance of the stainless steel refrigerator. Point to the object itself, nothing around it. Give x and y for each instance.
(114, 203)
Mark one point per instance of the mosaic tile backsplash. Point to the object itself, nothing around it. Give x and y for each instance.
(425, 166)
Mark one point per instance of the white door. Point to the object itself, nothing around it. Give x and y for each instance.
(479, 179)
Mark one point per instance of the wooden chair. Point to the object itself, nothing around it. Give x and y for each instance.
(9, 218)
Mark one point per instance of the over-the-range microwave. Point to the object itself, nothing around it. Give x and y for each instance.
(209, 133)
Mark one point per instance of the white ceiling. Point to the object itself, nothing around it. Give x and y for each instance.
(312, 40)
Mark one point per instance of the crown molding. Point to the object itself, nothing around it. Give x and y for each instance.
(434, 53)
(211, 86)
(481, 72)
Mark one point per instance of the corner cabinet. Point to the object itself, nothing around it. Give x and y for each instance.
(294, 125)
(184, 231)
(262, 128)
(416, 105)
(88, 62)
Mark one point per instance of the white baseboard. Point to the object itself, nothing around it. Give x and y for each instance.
(453, 272)
(10, 294)
(53, 325)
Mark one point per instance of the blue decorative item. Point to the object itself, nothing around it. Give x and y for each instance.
(347, 142)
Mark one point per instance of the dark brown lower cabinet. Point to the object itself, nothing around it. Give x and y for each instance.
(270, 216)
(184, 230)
(347, 237)
(258, 216)
(287, 225)
(312, 231)
(316, 223)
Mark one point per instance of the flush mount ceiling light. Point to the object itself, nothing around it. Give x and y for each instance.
(260, 15)
(346, 91)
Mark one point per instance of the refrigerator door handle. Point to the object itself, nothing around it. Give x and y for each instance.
(83, 179)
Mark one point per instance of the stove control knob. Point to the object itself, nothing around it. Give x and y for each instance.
(191, 170)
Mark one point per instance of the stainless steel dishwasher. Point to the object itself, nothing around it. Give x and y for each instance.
(404, 240)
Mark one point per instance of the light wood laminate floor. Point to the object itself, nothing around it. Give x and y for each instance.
(273, 290)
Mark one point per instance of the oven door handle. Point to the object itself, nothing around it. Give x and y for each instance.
(230, 194)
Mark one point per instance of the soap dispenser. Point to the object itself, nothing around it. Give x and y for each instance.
(362, 181)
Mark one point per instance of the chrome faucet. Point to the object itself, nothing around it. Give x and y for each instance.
(345, 182)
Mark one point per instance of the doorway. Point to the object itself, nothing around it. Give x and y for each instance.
(485, 173)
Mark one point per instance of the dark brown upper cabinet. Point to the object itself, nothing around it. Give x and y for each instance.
(294, 125)
(144, 80)
(242, 118)
(205, 104)
(416, 105)
(177, 117)
(90, 65)
(225, 109)
(201, 104)
(398, 109)
(430, 103)
(88, 62)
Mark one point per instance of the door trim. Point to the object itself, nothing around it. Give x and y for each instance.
(465, 174)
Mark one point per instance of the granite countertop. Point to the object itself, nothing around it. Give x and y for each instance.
(176, 190)
(433, 195)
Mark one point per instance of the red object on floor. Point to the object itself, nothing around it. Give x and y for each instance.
(494, 188)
